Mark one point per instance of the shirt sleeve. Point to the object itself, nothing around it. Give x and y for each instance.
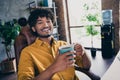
(25, 67)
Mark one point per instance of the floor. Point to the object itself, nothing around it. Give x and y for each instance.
(99, 67)
(9, 76)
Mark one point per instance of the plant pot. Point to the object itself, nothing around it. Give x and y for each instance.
(93, 52)
(8, 66)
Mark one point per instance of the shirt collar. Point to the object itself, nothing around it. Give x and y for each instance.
(40, 42)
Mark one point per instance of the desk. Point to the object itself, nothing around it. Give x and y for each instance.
(113, 73)
(99, 65)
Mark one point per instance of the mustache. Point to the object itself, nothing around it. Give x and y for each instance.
(42, 36)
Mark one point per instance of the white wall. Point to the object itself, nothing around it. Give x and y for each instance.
(10, 9)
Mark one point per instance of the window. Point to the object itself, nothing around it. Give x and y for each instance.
(81, 14)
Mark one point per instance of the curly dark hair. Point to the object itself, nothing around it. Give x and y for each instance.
(22, 21)
(40, 12)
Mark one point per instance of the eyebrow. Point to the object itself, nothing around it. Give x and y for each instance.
(39, 20)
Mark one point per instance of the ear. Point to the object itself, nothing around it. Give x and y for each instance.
(33, 29)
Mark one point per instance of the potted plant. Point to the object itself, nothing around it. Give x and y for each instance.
(8, 33)
(90, 29)
(92, 19)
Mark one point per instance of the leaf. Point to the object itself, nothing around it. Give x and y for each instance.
(91, 17)
(91, 30)
(9, 32)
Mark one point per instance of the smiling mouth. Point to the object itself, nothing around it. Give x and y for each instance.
(46, 30)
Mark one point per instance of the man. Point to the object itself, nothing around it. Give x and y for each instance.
(25, 30)
(41, 60)
(24, 38)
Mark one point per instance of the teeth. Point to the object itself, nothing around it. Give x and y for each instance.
(46, 30)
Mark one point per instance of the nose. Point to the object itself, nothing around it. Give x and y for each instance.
(46, 24)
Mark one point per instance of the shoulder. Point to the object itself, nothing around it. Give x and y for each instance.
(61, 42)
(25, 30)
(26, 51)
(20, 40)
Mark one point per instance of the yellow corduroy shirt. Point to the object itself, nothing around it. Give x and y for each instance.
(38, 56)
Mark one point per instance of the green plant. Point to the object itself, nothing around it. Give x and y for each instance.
(92, 18)
(90, 29)
(8, 33)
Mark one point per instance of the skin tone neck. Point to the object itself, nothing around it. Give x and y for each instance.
(48, 40)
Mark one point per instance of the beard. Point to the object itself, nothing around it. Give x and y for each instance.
(44, 36)
(41, 36)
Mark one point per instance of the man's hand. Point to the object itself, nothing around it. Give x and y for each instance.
(79, 49)
(64, 61)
